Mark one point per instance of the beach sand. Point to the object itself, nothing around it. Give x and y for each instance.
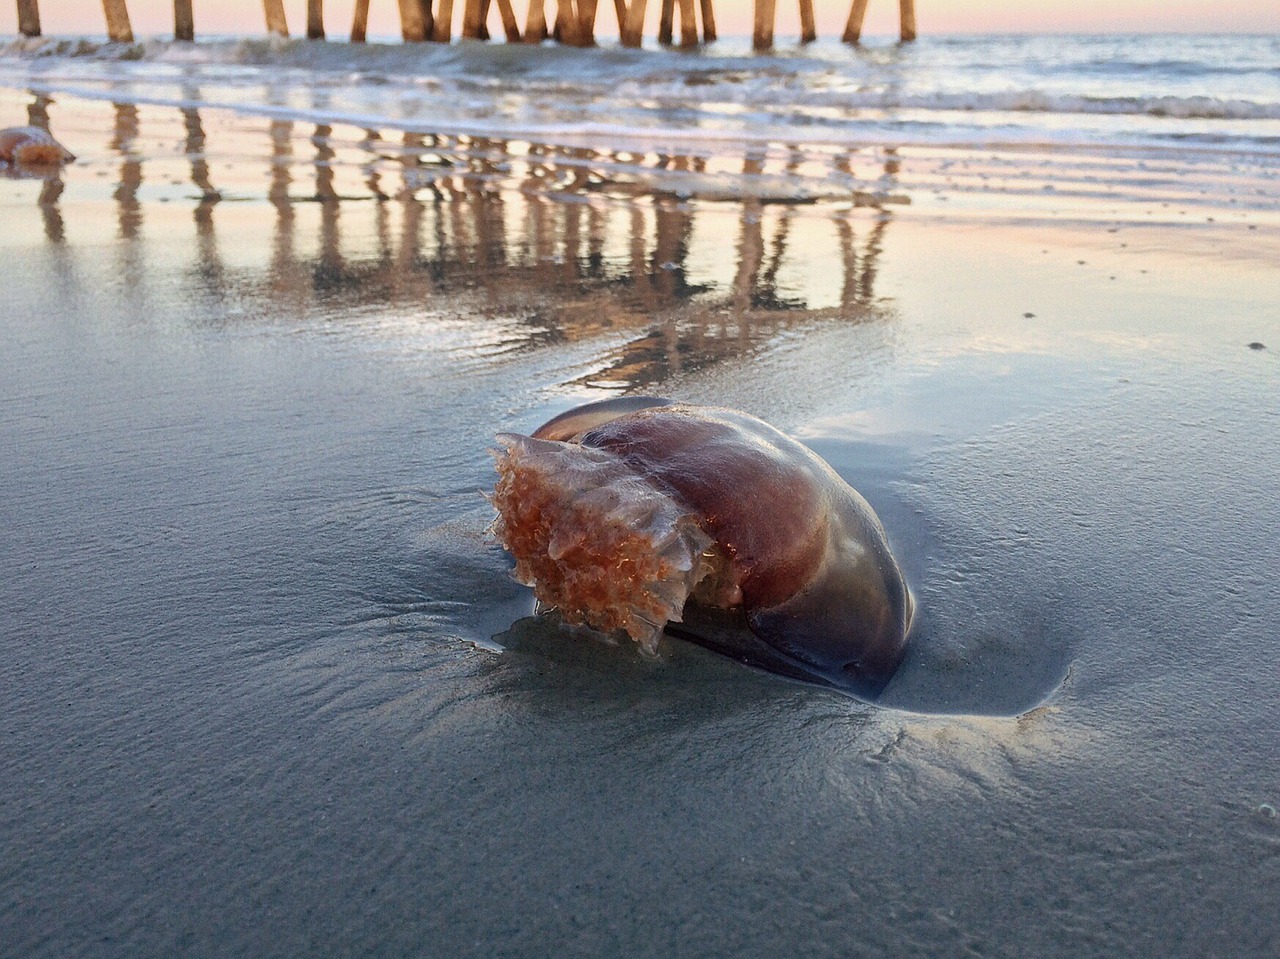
(268, 689)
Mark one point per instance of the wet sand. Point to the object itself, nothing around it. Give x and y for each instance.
(268, 690)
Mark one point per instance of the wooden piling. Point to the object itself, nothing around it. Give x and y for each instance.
(413, 22)
(444, 22)
(632, 34)
(475, 20)
(853, 28)
(688, 24)
(535, 24)
(315, 19)
(574, 21)
(557, 22)
(907, 11)
(472, 20)
(708, 22)
(587, 22)
(360, 21)
(808, 31)
(664, 22)
(29, 18)
(118, 28)
(510, 26)
(567, 27)
(762, 35)
(184, 27)
(274, 11)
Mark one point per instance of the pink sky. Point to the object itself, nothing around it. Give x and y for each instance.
(155, 17)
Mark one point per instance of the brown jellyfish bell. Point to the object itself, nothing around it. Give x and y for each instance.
(639, 514)
(32, 146)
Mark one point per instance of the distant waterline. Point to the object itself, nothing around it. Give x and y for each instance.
(1166, 92)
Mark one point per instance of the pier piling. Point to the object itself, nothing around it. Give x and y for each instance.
(762, 35)
(688, 24)
(473, 20)
(665, 22)
(118, 28)
(853, 28)
(413, 20)
(573, 23)
(808, 30)
(565, 27)
(315, 19)
(443, 28)
(360, 21)
(510, 26)
(587, 22)
(858, 12)
(907, 12)
(535, 23)
(184, 27)
(29, 18)
(274, 12)
(708, 22)
(633, 32)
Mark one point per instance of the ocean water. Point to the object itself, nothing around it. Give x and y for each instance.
(1118, 91)
(267, 688)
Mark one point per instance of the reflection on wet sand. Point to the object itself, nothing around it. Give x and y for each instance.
(126, 193)
(672, 261)
(54, 229)
(209, 260)
(52, 186)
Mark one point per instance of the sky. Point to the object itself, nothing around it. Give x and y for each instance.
(155, 17)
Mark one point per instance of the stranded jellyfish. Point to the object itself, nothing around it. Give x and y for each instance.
(637, 515)
(32, 146)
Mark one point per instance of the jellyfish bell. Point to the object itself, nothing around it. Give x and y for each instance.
(639, 515)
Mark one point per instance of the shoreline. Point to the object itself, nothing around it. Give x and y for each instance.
(1049, 93)
(1128, 182)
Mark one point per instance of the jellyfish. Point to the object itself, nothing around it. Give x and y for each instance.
(32, 146)
(638, 515)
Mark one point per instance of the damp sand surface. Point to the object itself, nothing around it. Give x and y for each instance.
(268, 691)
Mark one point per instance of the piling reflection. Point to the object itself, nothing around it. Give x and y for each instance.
(670, 261)
(124, 133)
(209, 266)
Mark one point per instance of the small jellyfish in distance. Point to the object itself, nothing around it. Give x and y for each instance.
(32, 146)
